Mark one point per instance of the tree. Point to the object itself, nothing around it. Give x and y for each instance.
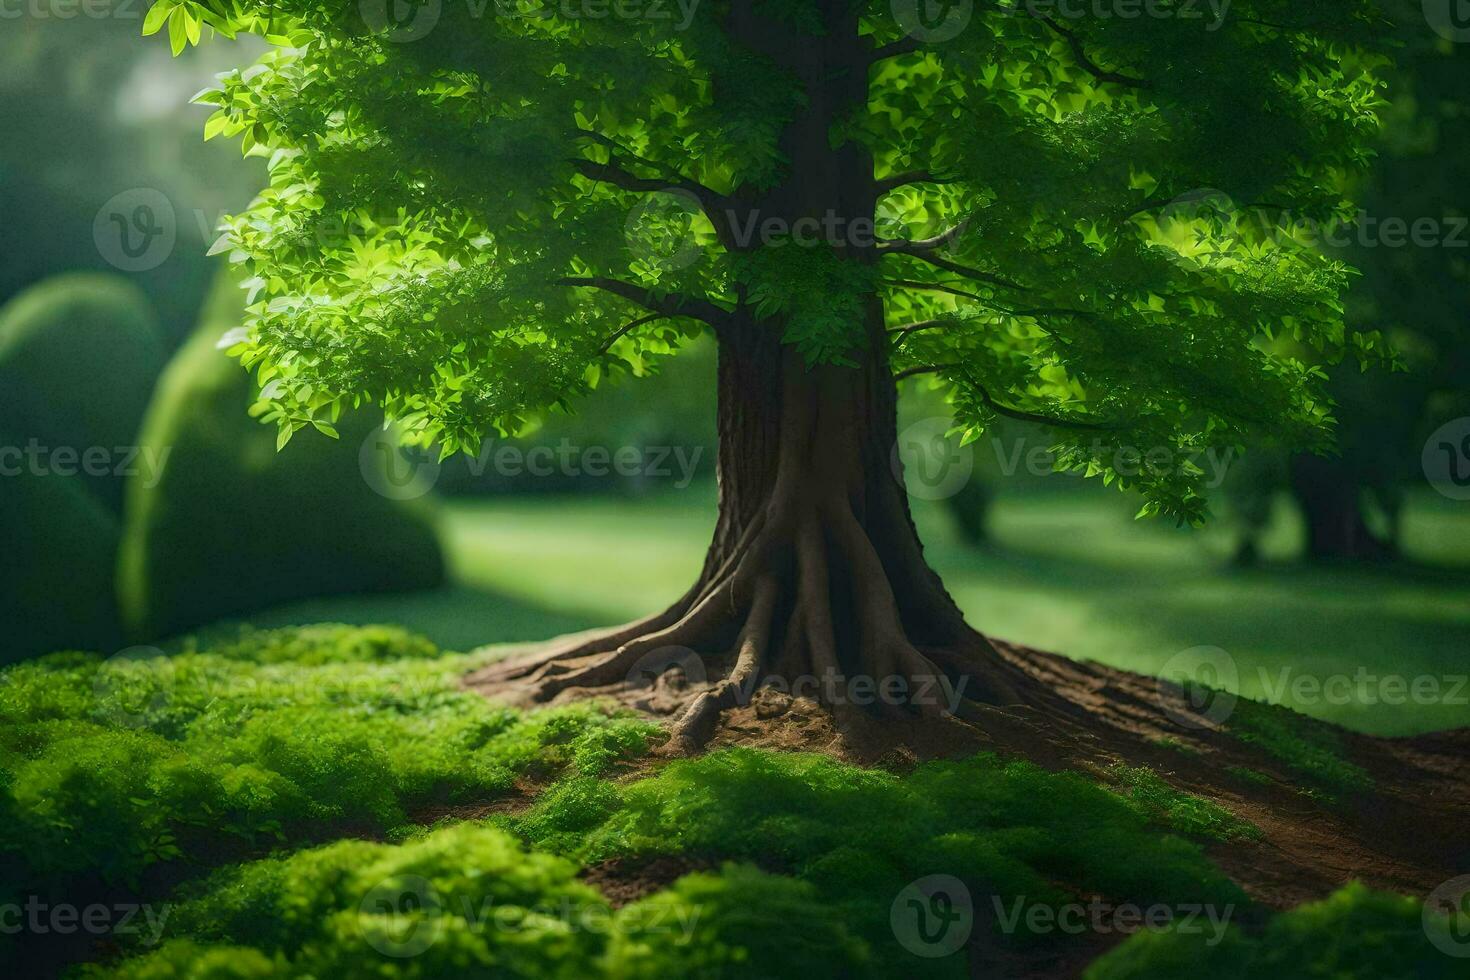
(1412, 289)
(467, 203)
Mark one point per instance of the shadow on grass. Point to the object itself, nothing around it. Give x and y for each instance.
(454, 617)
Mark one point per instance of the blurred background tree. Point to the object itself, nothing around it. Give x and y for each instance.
(1416, 290)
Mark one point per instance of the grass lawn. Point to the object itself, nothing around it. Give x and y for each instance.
(1070, 571)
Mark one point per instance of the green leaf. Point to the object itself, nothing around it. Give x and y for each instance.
(157, 15)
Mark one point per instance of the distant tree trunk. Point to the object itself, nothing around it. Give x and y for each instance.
(1331, 501)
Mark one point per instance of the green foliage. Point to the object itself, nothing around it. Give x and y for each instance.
(303, 522)
(1183, 812)
(109, 767)
(1356, 934)
(447, 230)
(1008, 830)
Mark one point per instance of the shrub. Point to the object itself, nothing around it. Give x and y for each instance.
(296, 523)
(78, 357)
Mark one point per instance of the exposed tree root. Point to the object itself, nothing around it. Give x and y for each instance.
(804, 605)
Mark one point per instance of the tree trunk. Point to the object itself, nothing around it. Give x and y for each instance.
(1332, 506)
(815, 580)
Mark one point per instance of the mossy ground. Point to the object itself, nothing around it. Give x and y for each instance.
(328, 802)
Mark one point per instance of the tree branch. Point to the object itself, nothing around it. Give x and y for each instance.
(1084, 61)
(923, 244)
(937, 287)
(921, 369)
(1023, 416)
(710, 200)
(626, 329)
(955, 267)
(668, 304)
(1020, 415)
(904, 45)
(899, 333)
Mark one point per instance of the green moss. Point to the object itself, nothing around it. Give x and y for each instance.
(1249, 775)
(739, 923)
(110, 767)
(1307, 747)
(461, 901)
(1181, 811)
(1173, 744)
(1356, 934)
(859, 836)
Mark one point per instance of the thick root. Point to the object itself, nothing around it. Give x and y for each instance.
(805, 606)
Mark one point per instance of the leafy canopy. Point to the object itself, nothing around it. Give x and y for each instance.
(480, 210)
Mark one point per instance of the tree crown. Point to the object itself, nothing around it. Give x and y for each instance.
(483, 210)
